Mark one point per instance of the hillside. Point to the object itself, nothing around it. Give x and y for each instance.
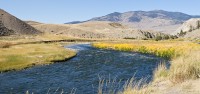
(32, 22)
(10, 25)
(157, 20)
(95, 29)
(189, 29)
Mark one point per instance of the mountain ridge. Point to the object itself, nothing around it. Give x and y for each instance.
(158, 20)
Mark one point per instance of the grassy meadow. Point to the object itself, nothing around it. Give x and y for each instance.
(26, 55)
(19, 52)
(184, 57)
(165, 49)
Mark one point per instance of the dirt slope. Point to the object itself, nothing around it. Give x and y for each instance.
(166, 87)
(10, 25)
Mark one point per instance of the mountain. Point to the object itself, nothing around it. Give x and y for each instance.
(157, 20)
(74, 22)
(10, 25)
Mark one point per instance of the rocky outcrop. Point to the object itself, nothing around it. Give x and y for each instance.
(190, 29)
(189, 26)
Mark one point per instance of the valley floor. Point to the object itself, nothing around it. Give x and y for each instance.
(21, 53)
(181, 78)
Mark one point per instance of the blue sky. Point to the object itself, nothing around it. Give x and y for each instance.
(61, 11)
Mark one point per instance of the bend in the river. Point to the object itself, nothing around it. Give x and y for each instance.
(82, 73)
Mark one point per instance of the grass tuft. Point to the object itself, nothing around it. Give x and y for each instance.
(185, 67)
(161, 72)
(133, 87)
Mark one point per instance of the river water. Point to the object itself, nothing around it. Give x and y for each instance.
(81, 75)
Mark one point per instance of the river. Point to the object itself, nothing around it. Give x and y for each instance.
(81, 75)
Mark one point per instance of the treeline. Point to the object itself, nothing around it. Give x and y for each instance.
(165, 37)
(156, 37)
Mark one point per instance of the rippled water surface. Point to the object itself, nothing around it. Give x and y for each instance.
(80, 74)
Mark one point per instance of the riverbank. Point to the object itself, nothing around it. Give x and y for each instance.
(184, 56)
(22, 56)
(21, 52)
(83, 72)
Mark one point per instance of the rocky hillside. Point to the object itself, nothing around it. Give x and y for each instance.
(157, 20)
(189, 29)
(10, 25)
(188, 26)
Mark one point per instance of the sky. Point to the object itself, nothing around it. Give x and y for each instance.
(62, 11)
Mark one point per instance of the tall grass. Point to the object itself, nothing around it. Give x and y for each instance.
(184, 56)
(185, 67)
(108, 86)
(161, 72)
(133, 87)
(161, 49)
(112, 86)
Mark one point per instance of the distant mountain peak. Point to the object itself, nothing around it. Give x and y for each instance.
(159, 10)
(115, 13)
(158, 20)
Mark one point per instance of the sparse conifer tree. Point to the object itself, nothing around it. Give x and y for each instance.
(190, 30)
(198, 24)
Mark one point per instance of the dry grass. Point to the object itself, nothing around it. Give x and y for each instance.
(132, 87)
(161, 72)
(19, 52)
(52, 37)
(26, 39)
(184, 56)
(109, 86)
(5, 44)
(22, 56)
(165, 49)
(185, 67)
